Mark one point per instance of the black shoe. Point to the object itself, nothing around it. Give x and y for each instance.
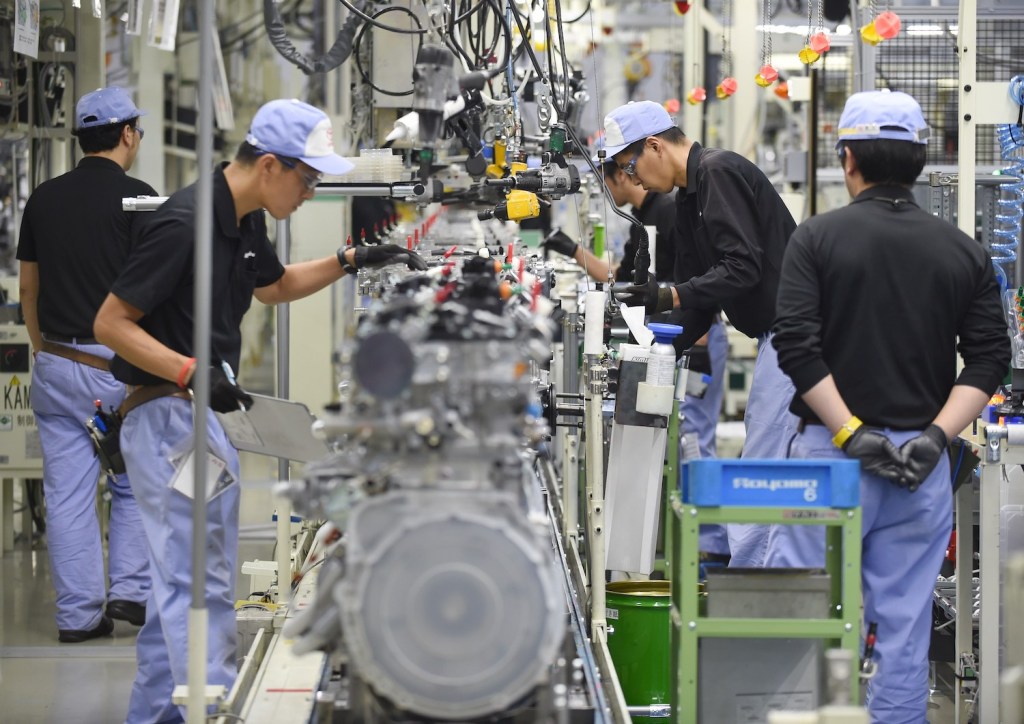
(133, 613)
(74, 636)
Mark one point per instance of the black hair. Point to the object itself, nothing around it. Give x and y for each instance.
(102, 138)
(672, 135)
(609, 168)
(247, 154)
(887, 161)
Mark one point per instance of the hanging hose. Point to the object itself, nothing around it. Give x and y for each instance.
(1009, 211)
(338, 53)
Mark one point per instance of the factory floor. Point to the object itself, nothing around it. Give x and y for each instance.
(45, 682)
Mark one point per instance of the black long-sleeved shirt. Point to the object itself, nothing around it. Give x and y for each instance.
(882, 295)
(733, 230)
(659, 211)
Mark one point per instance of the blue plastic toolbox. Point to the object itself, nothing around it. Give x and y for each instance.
(772, 483)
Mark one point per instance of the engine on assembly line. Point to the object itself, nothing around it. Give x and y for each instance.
(443, 596)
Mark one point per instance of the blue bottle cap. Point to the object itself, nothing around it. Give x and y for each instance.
(664, 333)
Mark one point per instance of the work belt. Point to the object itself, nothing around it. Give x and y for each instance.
(147, 393)
(77, 355)
(806, 422)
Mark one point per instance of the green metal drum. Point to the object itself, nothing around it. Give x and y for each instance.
(638, 611)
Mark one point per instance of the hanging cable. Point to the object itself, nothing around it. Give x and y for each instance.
(358, 44)
(338, 53)
(526, 44)
(366, 18)
(567, 89)
(582, 15)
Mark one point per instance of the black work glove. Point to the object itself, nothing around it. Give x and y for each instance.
(922, 453)
(877, 454)
(371, 257)
(653, 298)
(225, 395)
(560, 243)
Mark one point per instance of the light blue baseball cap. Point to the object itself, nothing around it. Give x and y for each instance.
(882, 114)
(105, 106)
(633, 121)
(297, 130)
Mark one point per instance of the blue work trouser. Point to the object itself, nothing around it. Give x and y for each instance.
(770, 428)
(62, 396)
(700, 418)
(904, 541)
(152, 436)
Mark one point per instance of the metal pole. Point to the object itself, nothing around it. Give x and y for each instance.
(383, 190)
(812, 144)
(594, 421)
(198, 619)
(570, 385)
(858, 51)
(284, 506)
(964, 641)
(693, 30)
(965, 41)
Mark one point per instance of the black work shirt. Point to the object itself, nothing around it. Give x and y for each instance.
(882, 295)
(158, 278)
(733, 228)
(659, 211)
(74, 228)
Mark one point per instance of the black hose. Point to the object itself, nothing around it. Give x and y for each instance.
(358, 43)
(338, 54)
(366, 18)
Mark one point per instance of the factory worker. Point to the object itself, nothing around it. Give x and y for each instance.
(708, 354)
(733, 228)
(872, 351)
(649, 208)
(74, 240)
(147, 321)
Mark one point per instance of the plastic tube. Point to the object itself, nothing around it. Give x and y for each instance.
(1010, 205)
(1009, 211)
(593, 323)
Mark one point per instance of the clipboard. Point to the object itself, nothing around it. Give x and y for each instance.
(275, 427)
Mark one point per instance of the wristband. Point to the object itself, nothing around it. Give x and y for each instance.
(846, 431)
(349, 269)
(189, 364)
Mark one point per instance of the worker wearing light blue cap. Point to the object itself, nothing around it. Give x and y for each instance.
(872, 351)
(147, 318)
(732, 230)
(74, 240)
(877, 115)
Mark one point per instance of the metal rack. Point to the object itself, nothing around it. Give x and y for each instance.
(842, 519)
(945, 599)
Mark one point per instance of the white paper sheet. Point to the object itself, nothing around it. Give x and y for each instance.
(634, 317)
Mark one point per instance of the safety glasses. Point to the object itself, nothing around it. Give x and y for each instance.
(311, 180)
(630, 168)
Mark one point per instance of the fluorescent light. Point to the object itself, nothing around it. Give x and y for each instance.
(786, 29)
(930, 30)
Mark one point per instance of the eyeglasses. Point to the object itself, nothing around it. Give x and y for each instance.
(841, 152)
(311, 180)
(141, 131)
(630, 168)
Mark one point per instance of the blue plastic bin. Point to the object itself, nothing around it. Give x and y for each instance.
(772, 483)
